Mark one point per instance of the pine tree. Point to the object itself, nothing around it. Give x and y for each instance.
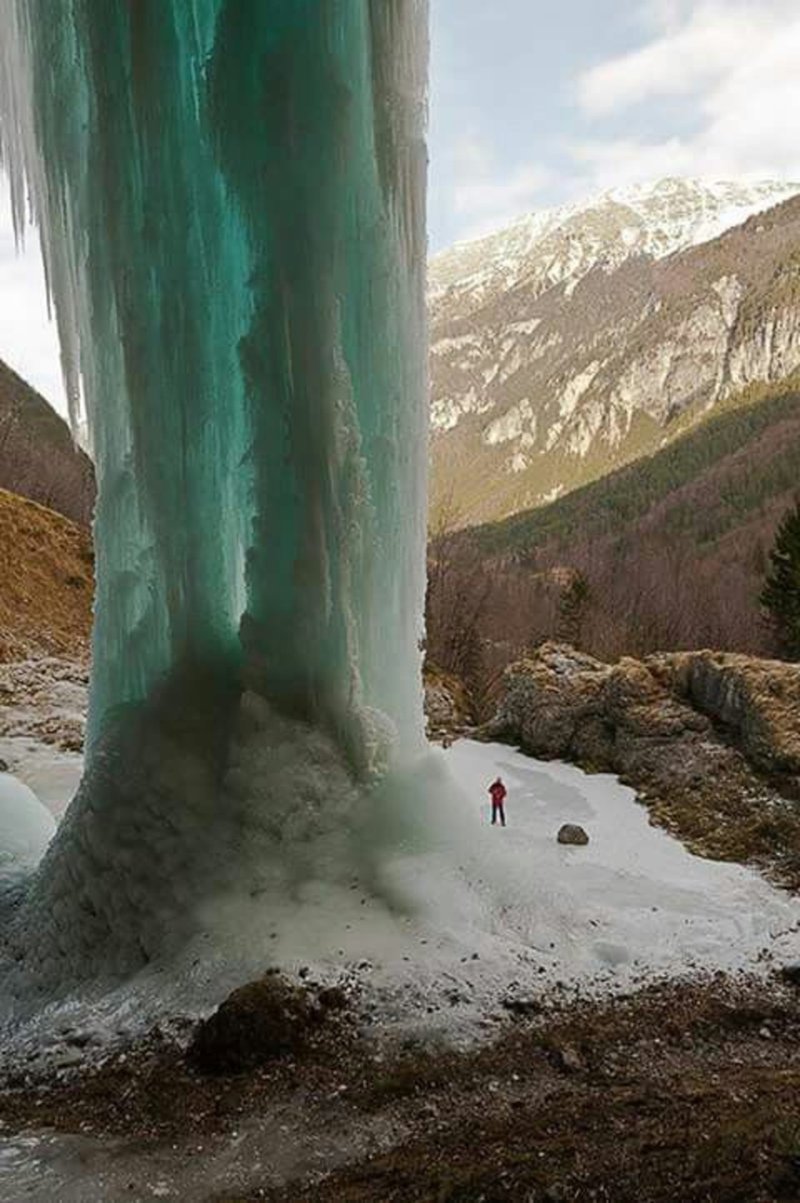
(780, 596)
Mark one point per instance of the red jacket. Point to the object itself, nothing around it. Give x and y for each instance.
(498, 792)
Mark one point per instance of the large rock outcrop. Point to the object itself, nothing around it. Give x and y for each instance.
(710, 741)
(447, 706)
(758, 701)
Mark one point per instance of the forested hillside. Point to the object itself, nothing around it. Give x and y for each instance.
(666, 553)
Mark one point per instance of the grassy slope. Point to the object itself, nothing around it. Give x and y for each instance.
(46, 581)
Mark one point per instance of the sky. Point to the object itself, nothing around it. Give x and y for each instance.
(536, 102)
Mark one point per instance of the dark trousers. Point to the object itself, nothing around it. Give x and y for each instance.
(497, 811)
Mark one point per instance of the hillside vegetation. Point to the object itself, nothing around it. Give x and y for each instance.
(667, 553)
(38, 458)
(750, 450)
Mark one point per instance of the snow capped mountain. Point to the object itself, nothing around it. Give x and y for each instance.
(561, 245)
(580, 337)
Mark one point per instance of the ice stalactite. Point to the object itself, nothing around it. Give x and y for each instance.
(230, 196)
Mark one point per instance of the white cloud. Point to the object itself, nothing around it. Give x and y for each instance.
(687, 55)
(485, 199)
(737, 61)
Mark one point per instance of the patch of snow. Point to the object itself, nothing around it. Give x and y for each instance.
(446, 412)
(525, 327)
(575, 388)
(511, 425)
(446, 346)
(551, 494)
(26, 829)
(510, 364)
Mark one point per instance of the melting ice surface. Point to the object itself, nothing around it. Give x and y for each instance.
(26, 828)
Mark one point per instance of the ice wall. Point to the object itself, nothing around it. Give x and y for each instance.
(230, 195)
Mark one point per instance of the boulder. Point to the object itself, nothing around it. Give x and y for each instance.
(572, 833)
(257, 1023)
(551, 703)
(791, 973)
(757, 701)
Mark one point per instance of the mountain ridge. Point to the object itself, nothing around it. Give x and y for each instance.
(664, 216)
(544, 387)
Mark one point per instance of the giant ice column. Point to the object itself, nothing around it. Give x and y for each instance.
(230, 195)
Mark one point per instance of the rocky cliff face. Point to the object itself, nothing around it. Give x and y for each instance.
(581, 340)
(756, 701)
(710, 741)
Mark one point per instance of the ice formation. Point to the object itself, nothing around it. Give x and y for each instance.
(231, 203)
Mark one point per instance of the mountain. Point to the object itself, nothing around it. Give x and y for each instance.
(584, 337)
(38, 458)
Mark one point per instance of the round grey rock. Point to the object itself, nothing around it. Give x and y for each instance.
(572, 833)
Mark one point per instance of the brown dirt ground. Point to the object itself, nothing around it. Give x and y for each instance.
(46, 570)
(685, 1093)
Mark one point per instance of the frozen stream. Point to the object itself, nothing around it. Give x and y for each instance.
(520, 908)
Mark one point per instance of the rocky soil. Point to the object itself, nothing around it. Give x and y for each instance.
(44, 699)
(678, 1092)
(710, 741)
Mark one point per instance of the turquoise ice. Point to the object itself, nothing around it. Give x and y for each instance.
(230, 195)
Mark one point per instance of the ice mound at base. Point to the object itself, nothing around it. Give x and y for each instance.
(26, 828)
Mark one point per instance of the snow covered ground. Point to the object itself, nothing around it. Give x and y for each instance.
(473, 914)
(500, 912)
(634, 896)
(53, 775)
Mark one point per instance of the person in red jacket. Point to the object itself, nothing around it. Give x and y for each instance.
(498, 792)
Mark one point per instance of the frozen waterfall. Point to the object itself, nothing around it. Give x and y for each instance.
(230, 196)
